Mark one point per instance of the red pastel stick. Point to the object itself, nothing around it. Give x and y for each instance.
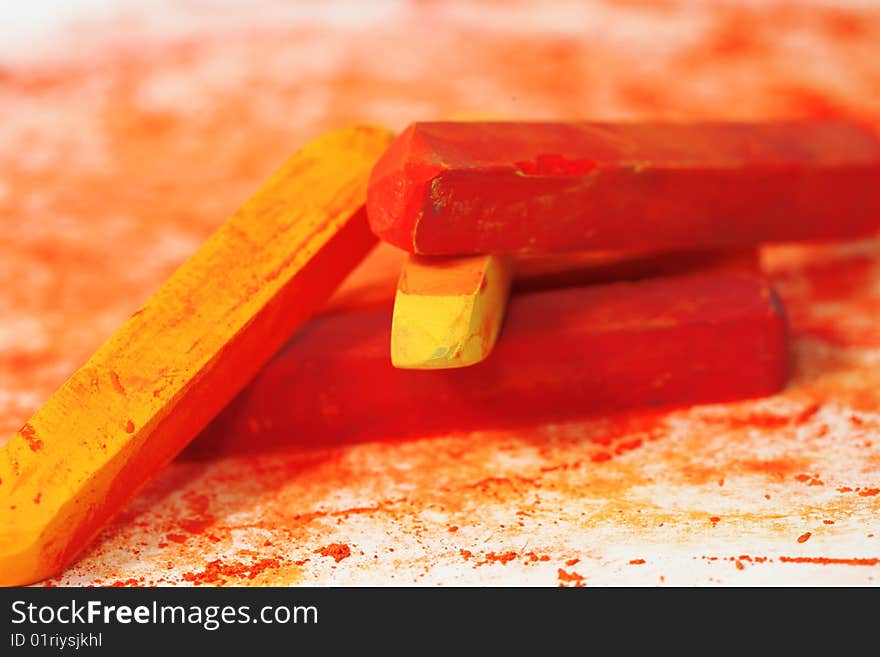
(564, 353)
(461, 188)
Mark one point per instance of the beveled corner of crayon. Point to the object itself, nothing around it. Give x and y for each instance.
(398, 188)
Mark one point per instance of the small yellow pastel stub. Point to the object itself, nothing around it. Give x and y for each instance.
(448, 311)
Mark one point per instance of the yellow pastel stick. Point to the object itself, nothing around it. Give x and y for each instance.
(185, 354)
(448, 311)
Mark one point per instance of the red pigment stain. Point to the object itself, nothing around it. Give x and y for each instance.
(837, 281)
(200, 518)
(176, 538)
(195, 525)
(30, 435)
(714, 519)
(869, 492)
(217, 572)
(503, 558)
(803, 538)
(628, 445)
(599, 457)
(636, 562)
(572, 578)
(739, 561)
(129, 427)
(37, 498)
(117, 384)
(735, 36)
(807, 103)
(827, 561)
(131, 582)
(467, 554)
(753, 420)
(745, 557)
(454, 528)
(553, 164)
(533, 556)
(808, 412)
(572, 562)
(780, 468)
(765, 420)
(338, 551)
(844, 25)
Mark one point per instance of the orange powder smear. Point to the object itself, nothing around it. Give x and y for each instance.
(338, 551)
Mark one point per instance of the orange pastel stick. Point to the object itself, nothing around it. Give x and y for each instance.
(180, 358)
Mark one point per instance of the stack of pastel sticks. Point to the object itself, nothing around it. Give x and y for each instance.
(553, 270)
(562, 269)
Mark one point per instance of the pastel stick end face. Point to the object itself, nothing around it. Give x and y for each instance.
(423, 341)
(448, 312)
(398, 187)
(750, 313)
(436, 332)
